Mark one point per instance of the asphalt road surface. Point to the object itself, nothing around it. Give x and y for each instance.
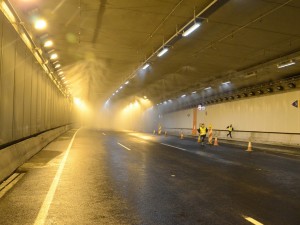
(104, 177)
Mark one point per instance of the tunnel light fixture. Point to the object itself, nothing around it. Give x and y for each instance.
(127, 82)
(121, 87)
(279, 88)
(291, 85)
(162, 52)
(57, 66)
(183, 96)
(191, 29)
(194, 92)
(8, 12)
(208, 88)
(40, 24)
(117, 91)
(227, 82)
(146, 66)
(48, 44)
(113, 94)
(53, 56)
(286, 64)
(61, 73)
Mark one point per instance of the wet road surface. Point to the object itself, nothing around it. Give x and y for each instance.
(104, 177)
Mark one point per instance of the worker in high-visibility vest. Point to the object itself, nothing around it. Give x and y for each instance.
(202, 132)
(230, 129)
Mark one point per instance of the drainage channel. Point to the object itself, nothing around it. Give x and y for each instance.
(6, 185)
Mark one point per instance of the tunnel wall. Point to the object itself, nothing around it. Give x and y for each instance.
(29, 101)
(266, 119)
(15, 155)
(32, 110)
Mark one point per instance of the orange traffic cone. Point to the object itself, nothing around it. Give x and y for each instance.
(181, 135)
(216, 142)
(249, 149)
(199, 140)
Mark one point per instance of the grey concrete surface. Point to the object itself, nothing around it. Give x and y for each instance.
(133, 178)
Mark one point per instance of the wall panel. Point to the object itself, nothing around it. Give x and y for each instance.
(7, 82)
(30, 101)
(27, 94)
(19, 91)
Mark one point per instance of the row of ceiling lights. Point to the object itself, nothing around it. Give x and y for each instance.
(40, 25)
(227, 83)
(280, 65)
(186, 30)
(240, 94)
(163, 51)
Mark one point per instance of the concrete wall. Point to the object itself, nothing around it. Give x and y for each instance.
(15, 155)
(29, 101)
(266, 119)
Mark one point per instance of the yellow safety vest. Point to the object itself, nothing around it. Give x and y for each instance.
(230, 128)
(202, 130)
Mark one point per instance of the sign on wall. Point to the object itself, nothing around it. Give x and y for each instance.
(296, 104)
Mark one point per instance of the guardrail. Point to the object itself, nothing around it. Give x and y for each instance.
(278, 138)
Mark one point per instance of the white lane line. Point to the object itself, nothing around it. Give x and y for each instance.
(251, 220)
(41, 218)
(124, 146)
(174, 146)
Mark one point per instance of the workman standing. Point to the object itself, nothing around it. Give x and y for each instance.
(202, 133)
(230, 129)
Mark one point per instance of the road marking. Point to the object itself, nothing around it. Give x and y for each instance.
(9, 183)
(41, 218)
(174, 146)
(124, 146)
(251, 220)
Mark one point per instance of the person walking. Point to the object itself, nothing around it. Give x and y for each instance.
(229, 129)
(202, 132)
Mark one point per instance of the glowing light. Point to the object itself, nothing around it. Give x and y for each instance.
(57, 66)
(40, 24)
(162, 52)
(285, 64)
(48, 44)
(8, 12)
(182, 96)
(227, 82)
(191, 29)
(80, 104)
(127, 82)
(207, 88)
(54, 56)
(146, 66)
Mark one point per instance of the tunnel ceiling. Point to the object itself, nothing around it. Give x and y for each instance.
(102, 44)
